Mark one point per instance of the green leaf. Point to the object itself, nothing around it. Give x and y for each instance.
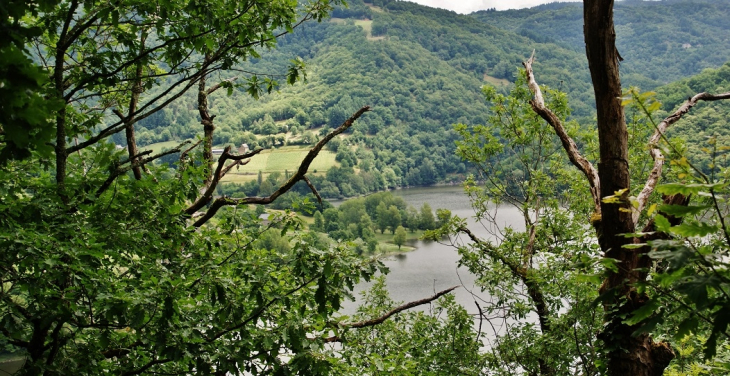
(643, 313)
(662, 223)
(681, 210)
(610, 263)
(649, 325)
(634, 245)
(694, 229)
(686, 327)
(320, 296)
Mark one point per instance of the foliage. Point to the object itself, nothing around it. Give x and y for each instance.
(535, 271)
(689, 276)
(400, 70)
(438, 342)
(400, 236)
(123, 298)
(25, 114)
(359, 218)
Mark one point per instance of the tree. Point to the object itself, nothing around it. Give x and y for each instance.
(615, 214)
(365, 226)
(318, 224)
(382, 219)
(412, 219)
(393, 218)
(400, 236)
(442, 217)
(425, 219)
(536, 270)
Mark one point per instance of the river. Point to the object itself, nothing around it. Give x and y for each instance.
(433, 266)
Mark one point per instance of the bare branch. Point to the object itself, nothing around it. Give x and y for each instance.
(376, 321)
(314, 190)
(578, 160)
(299, 175)
(232, 165)
(217, 176)
(185, 153)
(136, 156)
(656, 172)
(120, 125)
(394, 311)
(219, 85)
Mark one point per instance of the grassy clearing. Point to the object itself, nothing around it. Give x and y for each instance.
(280, 160)
(366, 25)
(496, 81)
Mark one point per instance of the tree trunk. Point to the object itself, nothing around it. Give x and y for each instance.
(137, 89)
(627, 354)
(208, 127)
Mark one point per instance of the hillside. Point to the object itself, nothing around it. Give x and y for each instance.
(706, 120)
(660, 41)
(421, 69)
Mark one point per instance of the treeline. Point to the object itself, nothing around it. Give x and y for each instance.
(360, 218)
(357, 219)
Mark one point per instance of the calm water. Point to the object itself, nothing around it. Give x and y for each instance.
(433, 266)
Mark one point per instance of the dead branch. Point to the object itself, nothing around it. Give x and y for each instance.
(219, 85)
(232, 165)
(578, 160)
(314, 190)
(656, 154)
(299, 175)
(217, 176)
(187, 151)
(140, 155)
(394, 311)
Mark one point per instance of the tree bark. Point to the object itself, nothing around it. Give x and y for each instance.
(137, 89)
(627, 354)
(208, 127)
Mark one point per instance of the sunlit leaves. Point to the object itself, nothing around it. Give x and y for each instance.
(689, 189)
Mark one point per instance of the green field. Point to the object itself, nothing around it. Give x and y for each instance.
(280, 160)
(366, 25)
(270, 160)
(160, 146)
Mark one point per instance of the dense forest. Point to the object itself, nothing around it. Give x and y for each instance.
(164, 169)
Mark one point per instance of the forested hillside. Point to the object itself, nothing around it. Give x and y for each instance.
(660, 41)
(422, 69)
(706, 121)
